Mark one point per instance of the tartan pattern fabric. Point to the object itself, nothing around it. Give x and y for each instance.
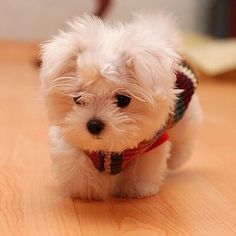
(113, 163)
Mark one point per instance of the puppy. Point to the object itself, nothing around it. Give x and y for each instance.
(121, 104)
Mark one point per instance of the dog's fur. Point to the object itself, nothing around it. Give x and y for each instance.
(96, 61)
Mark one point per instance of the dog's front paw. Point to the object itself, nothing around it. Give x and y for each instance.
(138, 189)
(84, 190)
(76, 174)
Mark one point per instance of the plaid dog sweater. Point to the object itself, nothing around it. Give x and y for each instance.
(113, 162)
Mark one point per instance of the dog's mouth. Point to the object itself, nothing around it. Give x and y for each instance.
(97, 137)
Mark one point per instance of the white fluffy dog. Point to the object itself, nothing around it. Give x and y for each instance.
(110, 92)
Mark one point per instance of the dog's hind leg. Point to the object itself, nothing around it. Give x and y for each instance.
(183, 135)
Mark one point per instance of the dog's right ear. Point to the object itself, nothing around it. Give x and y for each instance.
(63, 50)
(57, 54)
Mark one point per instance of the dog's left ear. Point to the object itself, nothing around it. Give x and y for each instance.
(153, 67)
(151, 51)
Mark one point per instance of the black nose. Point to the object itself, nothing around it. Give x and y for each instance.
(95, 126)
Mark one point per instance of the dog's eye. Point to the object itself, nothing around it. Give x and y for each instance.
(122, 100)
(77, 100)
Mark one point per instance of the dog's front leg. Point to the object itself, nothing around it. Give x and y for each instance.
(75, 172)
(144, 177)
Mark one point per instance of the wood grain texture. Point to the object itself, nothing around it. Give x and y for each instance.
(198, 199)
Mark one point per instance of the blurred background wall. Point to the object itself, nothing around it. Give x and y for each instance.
(37, 20)
(29, 20)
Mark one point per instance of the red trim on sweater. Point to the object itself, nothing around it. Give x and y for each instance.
(159, 141)
(134, 153)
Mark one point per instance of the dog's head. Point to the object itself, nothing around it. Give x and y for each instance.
(109, 87)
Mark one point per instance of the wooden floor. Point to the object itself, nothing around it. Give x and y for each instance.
(198, 199)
